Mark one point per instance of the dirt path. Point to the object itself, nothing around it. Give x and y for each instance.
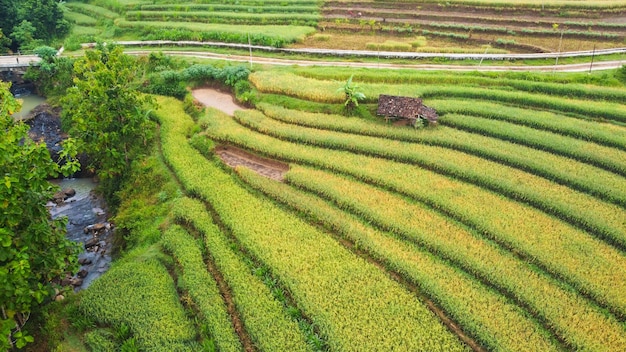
(234, 156)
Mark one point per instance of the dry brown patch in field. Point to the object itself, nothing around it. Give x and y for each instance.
(234, 157)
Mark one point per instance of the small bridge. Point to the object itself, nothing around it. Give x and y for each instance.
(11, 62)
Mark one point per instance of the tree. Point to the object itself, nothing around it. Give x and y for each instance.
(8, 13)
(5, 42)
(24, 34)
(33, 248)
(54, 73)
(46, 16)
(352, 93)
(106, 114)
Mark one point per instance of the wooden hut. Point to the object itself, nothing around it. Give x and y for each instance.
(396, 108)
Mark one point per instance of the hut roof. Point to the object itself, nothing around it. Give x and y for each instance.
(428, 113)
(405, 107)
(395, 106)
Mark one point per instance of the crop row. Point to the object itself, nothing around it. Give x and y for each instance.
(610, 135)
(607, 185)
(600, 156)
(536, 5)
(263, 316)
(490, 318)
(80, 19)
(92, 10)
(326, 91)
(548, 242)
(571, 89)
(467, 27)
(566, 314)
(570, 33)
(233, 7)
(276, 36)
(141, 295)
(447, 77)
(225, 17)
(603, 219)
(355, 306)
(202, 287)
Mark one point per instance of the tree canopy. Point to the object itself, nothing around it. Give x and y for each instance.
(106, 114)
(33, 247)
(31, 23)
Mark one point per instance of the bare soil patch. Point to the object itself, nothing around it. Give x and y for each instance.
(216, 99)
(234, 157)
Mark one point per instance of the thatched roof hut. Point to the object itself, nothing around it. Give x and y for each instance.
(396, 107)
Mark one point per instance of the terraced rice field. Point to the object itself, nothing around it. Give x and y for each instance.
(518, 26)
(270, 23)
(416, 26)
(503, 228)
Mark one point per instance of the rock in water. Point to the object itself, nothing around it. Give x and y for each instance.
(69, 192)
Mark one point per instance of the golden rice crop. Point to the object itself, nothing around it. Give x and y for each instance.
(569, 314)
(356, 308)
(607, 185)
(490, 318)
(556, 246)
(202, 288)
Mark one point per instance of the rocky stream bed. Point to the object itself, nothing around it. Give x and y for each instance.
(86, 212)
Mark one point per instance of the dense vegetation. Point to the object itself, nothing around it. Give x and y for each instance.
(33, 249)
(27, 24)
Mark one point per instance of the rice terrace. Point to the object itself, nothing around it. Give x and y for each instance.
(324, 207)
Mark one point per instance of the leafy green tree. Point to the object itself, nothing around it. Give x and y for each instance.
(33, 248)
(107, 115)
(8, 14)
(24, 34)
(5, 42)
(54, 73)
(352, 93)
(46, 16)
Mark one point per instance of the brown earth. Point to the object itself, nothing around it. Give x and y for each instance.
(232, 156)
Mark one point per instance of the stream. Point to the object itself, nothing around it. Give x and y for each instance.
(87, 225)
(29, 102)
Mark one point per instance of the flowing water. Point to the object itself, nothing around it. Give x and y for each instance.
(83, 210)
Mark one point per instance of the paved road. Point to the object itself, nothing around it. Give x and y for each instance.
(604, 65)
(381, 54)
(24, 60)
